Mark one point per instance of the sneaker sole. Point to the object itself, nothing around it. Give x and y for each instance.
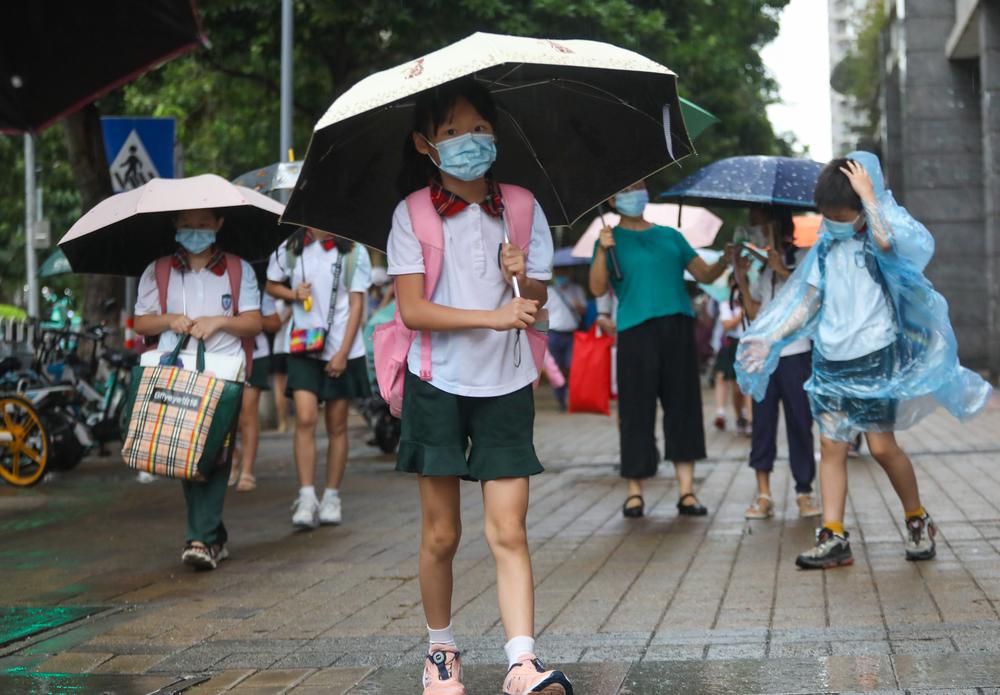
(806, 565)
(305, 527)
(920, 557)
(329, 523)
(199, 563)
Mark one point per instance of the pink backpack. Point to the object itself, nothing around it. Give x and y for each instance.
(234, 268)
(392, 340)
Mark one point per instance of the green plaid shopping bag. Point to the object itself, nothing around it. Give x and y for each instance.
(179, 420)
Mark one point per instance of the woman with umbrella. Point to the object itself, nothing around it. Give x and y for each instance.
(657, 358)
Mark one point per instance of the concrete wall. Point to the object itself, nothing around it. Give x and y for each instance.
(989, 70)
(942, 166)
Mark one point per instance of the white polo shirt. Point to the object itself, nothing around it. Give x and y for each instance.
(765, 289)
(317, 266)
(260, 344)
(478, 362)
(563, 314)
(855, 319)
(196, 294)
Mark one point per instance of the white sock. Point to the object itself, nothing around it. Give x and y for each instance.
(332, 493)
(517, 647)
(444, 636)
(307, 492)
(721, 412)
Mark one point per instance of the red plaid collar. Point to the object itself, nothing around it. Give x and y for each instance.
(447, 203)
(217, 264)
(328, 243)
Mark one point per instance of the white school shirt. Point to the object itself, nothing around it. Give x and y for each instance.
(196, 294)
(563, 315)
(319, 267)
(854, 319)
(728, 312)
(478, 362)
(763, 291)
(260, 346)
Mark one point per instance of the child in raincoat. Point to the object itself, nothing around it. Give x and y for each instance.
(884, 352)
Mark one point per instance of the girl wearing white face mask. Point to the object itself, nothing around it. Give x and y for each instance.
(202, 299)
(657, 358)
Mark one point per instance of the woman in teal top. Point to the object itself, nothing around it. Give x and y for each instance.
(657, 359)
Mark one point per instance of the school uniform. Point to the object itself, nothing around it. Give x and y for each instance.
(657, 359)
(725, 358)
(856, 338)
(481, 380)
(196, 294)
(260, 375)
(787, 388)
(320, 263)
(563, 321)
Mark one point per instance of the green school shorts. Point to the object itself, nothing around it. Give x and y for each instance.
(306, 374)
(438, 428)
(260, 375)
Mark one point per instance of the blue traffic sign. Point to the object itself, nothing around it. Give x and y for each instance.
(138, 149)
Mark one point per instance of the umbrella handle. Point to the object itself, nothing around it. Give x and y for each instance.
(616, 269)
(506, 239)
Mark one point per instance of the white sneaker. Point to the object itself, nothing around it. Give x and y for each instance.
(329, 510)
(145, 477)
(305, 513)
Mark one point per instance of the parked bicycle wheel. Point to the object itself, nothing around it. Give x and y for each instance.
(24, 443)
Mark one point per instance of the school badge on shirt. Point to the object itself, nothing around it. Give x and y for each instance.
(227, 302)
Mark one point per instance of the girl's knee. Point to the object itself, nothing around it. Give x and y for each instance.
(440, 541)
(507, 535)
(885, 450)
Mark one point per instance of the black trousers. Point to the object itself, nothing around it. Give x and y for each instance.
(786, 387)
(657, 361)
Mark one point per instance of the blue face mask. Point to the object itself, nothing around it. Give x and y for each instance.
(195, 240)
(631, 203)
(466, 157)
(561, 280)
(841, 230)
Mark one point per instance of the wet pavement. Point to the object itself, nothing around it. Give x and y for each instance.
(660, 605)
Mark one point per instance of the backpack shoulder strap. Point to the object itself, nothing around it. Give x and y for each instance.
(352, 265)
(234, 269)
(161, 273)
(429, 230)
(519, 213)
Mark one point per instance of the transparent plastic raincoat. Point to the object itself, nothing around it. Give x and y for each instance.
(888, 387)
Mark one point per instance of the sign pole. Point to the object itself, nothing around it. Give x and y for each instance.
(286, 79)
(30, 202)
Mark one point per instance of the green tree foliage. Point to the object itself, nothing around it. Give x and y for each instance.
(857, 74)
(225, 98)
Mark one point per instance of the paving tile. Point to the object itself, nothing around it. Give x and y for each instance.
(129, 663)
(73, 662)
(221, 682)
(951, 671)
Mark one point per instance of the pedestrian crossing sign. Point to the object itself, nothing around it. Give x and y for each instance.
(138, 150)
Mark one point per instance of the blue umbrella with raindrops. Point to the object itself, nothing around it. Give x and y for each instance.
(751, 180)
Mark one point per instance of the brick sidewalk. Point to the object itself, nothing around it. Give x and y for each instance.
(662, 604)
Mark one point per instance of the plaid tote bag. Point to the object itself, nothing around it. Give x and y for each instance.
(179, 420)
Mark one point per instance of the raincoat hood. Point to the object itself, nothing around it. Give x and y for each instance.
(871, 164)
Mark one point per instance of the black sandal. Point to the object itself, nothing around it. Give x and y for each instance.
(636, 511)
(696, 509)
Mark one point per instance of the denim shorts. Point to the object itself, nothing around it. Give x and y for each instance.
(863, 414)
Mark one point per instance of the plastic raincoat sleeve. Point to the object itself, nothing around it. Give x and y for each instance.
(889, 387)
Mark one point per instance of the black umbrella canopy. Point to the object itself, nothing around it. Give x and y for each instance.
(570, 134)
(57, 56)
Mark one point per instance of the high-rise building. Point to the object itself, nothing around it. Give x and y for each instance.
(843, 17)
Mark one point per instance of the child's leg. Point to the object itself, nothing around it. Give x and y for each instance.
(720, 393)
(440, 532)
(897, 465)
(833, 482)
(336, 454)
(505, 502)
(305, 436)
(249, 429)
(281, 400)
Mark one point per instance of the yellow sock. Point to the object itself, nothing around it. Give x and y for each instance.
(916, 513)
(836, 526)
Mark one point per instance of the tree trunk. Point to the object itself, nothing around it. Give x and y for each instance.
(85, 142)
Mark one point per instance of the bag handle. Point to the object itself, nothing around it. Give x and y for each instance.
(174, 355)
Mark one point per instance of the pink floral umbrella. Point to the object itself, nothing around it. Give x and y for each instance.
(698, 225)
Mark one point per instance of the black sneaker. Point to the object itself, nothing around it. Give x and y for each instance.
(831, 551)
(920, 533)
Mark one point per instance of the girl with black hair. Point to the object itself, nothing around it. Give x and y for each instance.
(787, 384)
(326, 279)
(472, 387)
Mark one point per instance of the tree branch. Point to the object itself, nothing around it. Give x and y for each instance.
(260, 80)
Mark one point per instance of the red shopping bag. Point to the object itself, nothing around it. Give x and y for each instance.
(590, 373)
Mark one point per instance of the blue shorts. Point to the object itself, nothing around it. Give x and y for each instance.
(860, 414)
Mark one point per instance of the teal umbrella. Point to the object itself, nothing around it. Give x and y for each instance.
(56, 264)
(697, 119)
